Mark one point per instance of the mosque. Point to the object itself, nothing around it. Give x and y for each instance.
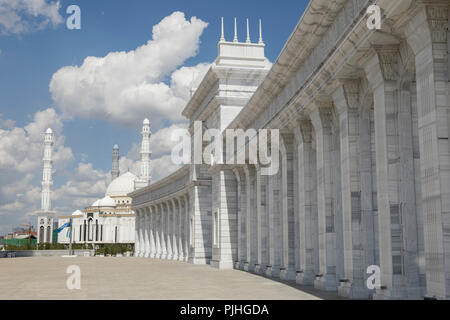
(108, 220)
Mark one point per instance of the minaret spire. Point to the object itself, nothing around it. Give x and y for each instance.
(248, 34)
(45, 216)
(115, 172)
(222, 33)
(260, 33)
(235, 31)
(145, 177)
(47, 181)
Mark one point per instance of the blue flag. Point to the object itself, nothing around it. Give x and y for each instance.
(63, 227)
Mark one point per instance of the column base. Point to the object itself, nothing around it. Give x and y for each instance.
(398, 293)
(222, 265)
(175, 256)
(353, 290)
(326, 282)
(260, 269)
(198, 260)
(152, 255)
(288, 274)
(146, 255)
(180, 258)
(273, 271)
(249, 267)
(305, 278)
(163, 256)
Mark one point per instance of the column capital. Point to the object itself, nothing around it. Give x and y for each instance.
(346, 96)
(430, 25)
(321, 116)
(303, 131)
(383, 65)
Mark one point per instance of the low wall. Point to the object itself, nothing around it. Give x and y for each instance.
(45, 253)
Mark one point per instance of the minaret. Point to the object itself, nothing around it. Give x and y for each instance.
(115, 172)
(47, 181)
(45, 216)
(144, 177)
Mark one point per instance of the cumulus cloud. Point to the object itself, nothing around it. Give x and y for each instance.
(124, 87)
(22, 16)
(84, 186)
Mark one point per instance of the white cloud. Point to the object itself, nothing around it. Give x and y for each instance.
(125, 87)
(84, 186)
(21, 16)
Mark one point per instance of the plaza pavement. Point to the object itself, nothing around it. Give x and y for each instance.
(122, 278)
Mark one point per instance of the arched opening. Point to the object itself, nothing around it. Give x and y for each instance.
(41, 234)
(49, 233)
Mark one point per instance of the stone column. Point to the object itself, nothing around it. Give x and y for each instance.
(346, 100)
(187, 233)
(152, 232)
(288, 271)
(259, 268)
(137, 243)
(181, 249)
(306, 198)
(163, 216)
(428, 36)
(237, 175)
(395, 180)
(274, 211)
(141, 233)
(224, 218)
(243, 220)
(251, 236)
(157, 231)
(174, 227)
(200, 203)
(321, 120)
(146, 233)
(262, 222)
(169, 229)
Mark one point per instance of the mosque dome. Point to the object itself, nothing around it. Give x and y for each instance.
(77, 213)
(146, 121)
(95, 204)
(107, 202)
(121, 186)
(49, 131)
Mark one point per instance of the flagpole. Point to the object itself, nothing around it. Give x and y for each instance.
(70, 241)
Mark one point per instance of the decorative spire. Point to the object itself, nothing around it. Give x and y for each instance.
(260, 33)
(115, 172)
(248, 34)
(222, 34)
(47, 181)
(235, 31)
(145, 177)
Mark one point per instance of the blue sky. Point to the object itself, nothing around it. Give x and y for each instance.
(29, 60)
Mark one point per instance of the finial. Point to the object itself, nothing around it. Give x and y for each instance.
(222, 34)
(235, 31)
(248, 33)
(260, 33)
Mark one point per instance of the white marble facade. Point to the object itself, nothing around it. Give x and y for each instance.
(364, 178)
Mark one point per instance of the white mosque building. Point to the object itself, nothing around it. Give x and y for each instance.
(111, 219)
